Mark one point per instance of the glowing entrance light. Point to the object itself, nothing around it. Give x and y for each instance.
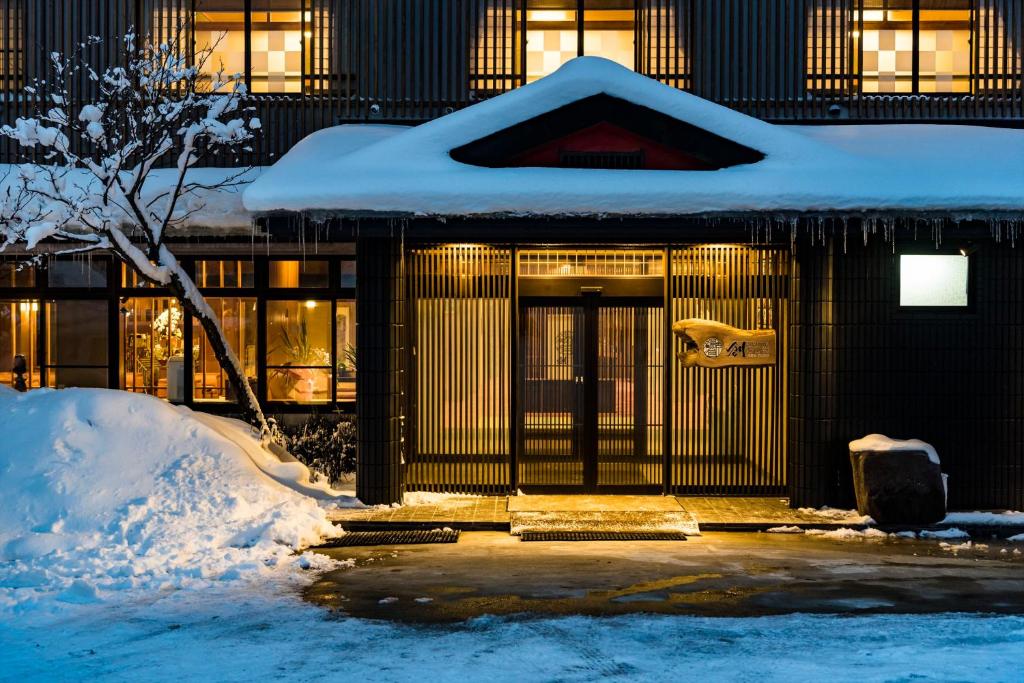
(934, 280)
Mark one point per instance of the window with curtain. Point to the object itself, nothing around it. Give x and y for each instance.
(278, 41)
(552, 37)
(915, 46)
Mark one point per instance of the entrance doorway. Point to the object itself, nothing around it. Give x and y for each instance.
(591, 388)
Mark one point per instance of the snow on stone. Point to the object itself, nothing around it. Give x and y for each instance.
(108, 492)
(882, 443)
(850, 168)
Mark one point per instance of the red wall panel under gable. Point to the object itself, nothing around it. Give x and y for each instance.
(607, 137)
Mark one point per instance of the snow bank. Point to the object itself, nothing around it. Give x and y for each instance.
(907, 167)
(880, 442)
(106, 491)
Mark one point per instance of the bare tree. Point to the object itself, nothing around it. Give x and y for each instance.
(114, 175)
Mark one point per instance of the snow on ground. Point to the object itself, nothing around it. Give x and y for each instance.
(107, 493)
(1004, 518)
(432, 498)
(227, 634)
(829, 514)
(848, 168)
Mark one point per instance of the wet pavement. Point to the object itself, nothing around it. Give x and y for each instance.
(717, 574)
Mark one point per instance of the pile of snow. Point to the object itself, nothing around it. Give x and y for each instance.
(105, 492)
(882, 443)
(848, 168)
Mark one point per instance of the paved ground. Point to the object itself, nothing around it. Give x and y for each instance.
(718, 574)
(492, 512)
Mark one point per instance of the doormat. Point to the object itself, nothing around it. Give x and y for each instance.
(602, 536)
(396, 537)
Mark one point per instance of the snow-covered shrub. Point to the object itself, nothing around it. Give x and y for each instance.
(326, 446)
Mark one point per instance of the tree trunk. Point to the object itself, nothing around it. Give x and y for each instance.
(185, 290)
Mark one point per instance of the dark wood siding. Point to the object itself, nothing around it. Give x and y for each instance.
(861, 364)
(414, 60)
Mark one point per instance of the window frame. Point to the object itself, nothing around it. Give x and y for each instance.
(114, 292)
(915, 90)
(306, 79)
(918, 312)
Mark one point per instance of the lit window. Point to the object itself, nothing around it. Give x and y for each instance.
(237, 317)
(934, 280)
(76, 343)
(299, 274)
(345, 329)
(19, 325)
(299, 358)
(552, 35)
(224, 274)
(152, 347)
(285, 44)
(943, 36)
(223, 33)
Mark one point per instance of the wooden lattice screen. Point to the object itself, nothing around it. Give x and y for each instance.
(729, 424)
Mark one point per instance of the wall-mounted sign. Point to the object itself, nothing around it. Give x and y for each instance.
(711, 344)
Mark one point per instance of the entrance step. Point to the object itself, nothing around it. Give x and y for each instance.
(601, 536)
(635, 521)
(599, 514)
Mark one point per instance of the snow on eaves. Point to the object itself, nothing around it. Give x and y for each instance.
(218, 211)
(855, 168)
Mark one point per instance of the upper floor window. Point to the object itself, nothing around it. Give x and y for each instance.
(274, 44)
(915, 46)
(554, 27)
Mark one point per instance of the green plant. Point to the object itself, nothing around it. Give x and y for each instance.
(295, 343)
(326, 446)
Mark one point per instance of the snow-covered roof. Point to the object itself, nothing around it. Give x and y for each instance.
(851, 168)
(218, 211)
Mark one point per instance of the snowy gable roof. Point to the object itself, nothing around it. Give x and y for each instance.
(825, 168)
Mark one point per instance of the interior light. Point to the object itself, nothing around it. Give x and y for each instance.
(855, 34)
(933, 280)
(550, 15)
(310, 304)
(308, 34)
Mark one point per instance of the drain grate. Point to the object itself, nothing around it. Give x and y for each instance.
(396, 537)
(602, 536)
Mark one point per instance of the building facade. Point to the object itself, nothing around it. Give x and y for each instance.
(490, 282)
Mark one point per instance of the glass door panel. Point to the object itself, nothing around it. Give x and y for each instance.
(552, 384)
(630, 379)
